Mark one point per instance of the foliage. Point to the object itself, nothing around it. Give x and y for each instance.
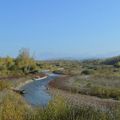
(111, 61)
(14, 108)
(101, 92)
(117, 64)
(99, 78)
(87, 72)
(23, 64)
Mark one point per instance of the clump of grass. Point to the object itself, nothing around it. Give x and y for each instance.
(4, 84)
(13, 107)
(101, 92)
(87, 72)
(105, 92)
(57, 109)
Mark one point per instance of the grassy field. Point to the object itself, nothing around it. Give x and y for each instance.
(90, 90)
(13, 107)
(91, 78)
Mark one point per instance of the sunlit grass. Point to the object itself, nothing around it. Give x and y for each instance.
(13, 107)
(5, 84)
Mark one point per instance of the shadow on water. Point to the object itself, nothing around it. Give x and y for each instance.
(36, 92)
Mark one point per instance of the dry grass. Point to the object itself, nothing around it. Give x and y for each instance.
(89, 85)
(14, 107)
(85, 100)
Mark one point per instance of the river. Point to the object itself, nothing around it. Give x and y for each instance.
(36, 92)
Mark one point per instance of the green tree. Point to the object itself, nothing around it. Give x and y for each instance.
(117, 64)
(9, 62)
(25, 62)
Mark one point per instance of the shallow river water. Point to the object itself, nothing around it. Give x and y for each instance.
(36, 92)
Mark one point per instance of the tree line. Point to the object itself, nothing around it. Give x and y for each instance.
(22, 64)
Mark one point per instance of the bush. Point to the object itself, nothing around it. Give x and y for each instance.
(87, 72)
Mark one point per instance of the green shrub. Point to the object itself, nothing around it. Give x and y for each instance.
(87, 72)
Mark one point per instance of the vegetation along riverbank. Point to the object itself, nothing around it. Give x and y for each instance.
(89, 89)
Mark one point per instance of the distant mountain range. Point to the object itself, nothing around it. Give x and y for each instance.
(78, 57)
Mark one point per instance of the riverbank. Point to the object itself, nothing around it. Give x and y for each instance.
(36, 92)
(16, 86)
(29, 81)
(58, 87)
(15, 83)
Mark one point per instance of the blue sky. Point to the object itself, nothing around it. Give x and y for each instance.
(60, 28)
